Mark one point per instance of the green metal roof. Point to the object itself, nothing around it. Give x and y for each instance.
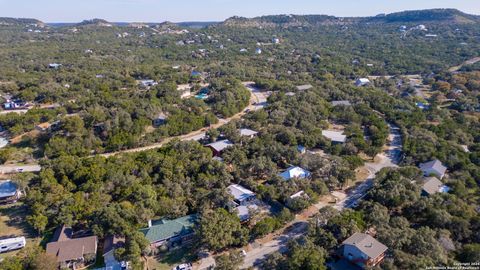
(165, 229)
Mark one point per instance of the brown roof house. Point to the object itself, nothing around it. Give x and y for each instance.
(363, 250)
(72, 252)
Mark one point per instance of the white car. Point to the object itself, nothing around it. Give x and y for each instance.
(184, 266)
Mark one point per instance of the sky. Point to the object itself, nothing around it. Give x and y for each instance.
(210, 10)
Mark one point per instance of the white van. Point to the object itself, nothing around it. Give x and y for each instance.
(12, 244)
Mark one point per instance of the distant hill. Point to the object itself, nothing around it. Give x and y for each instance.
(430, 15)
(21, 21)
(95, 22)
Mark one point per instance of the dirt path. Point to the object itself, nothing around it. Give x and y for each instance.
(468, 62)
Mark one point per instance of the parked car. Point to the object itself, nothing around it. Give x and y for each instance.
(183, 266)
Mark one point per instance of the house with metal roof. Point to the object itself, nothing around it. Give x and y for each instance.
(248, 132)
(9, 192)
(169, 233)
(241, 194)
(434, 167)
(295, 172)
(432, 185)
(362, 82)
(218, 146)
(363, 250)
(334, 136)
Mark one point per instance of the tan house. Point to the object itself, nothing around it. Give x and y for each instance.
(72, 252)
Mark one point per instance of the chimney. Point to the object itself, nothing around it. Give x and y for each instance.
(149, 223)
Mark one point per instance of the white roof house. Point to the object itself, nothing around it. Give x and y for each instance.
(362, 82)
(304, 87)
(219, 146)
(248, 132)
(147, 83)
(434, 167)
(295, 172)
(241, 194)
(334, 136)
(54, 65)
(341, 103)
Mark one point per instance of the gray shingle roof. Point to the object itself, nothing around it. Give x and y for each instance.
(432, 185)
(366, 244)
(434, 165)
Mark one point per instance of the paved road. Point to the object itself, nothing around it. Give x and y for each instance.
(5, 169)
(390, 157)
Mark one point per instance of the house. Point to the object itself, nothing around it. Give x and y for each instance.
(341, 103)
(218, 146)
(334, 136)
(161, 119)
(147, 83)
(9, 192)
(299, 195)
(362, 82)
(275, 40)
(10, 244)
(434, 167)
(241, 195)
(14, 104)
(245, 132)
(363, 250)
(422, 106)
(432, 185)
(54, 65)
(170, 233)
(110, 244)
(243, 202)
(258, 51)
(301, 149)
(295, 172)
(72, 252)
(304, 87)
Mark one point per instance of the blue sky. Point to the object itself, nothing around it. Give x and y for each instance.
(210, 10)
